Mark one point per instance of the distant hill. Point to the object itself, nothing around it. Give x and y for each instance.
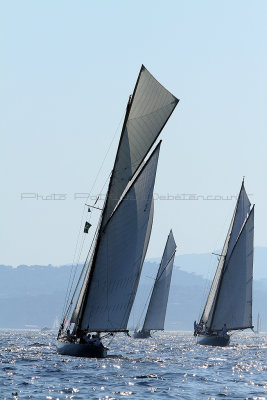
(205, 264)
(34, 295)
(187, 298)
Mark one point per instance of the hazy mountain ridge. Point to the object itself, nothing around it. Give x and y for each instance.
(34, 295)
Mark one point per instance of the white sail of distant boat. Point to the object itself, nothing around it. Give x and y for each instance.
(229, 303)
(110, 283)
(55, 325)
(156, 311)
(258, 324)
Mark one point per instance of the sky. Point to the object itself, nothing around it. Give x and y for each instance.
(67, 69)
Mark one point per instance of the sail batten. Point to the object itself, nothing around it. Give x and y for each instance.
(155, 315)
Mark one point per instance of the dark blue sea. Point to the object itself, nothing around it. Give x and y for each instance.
(169, 366)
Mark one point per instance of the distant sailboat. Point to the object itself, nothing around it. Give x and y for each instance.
(156, 311)
(111, 280)
(229, 303)
(55, 325)
(258, 324)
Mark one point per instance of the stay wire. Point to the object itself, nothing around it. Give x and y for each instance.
(68, 291)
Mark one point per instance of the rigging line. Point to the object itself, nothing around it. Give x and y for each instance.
(111, 340)
(81, 223)
(104, 159)
(145, 306)
(73, 263)
(81, 274)
(207, 287)
(75, 272)
(107, 277)
(71, 272)
(70, 285)
(78, 259)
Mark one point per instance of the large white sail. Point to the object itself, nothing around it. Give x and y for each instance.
(242, 211)
(155, 316)
(240, 214)
(118, 263)
(147, 113)
(234, 301)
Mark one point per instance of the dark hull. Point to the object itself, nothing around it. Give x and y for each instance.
(213, 340)
(81, 350)
(142, 335)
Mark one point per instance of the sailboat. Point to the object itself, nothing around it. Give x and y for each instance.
(229, 303)
(258, 324)
(109, 285)
(156, 311)
(55, 325)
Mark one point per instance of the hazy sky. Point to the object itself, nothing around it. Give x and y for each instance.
(67, 69)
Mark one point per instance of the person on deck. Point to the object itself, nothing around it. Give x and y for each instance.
(69, 336)
(87, 339)
(195, 328)
(96, 340)
(224, 330)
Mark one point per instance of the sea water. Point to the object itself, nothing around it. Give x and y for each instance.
(168, 366)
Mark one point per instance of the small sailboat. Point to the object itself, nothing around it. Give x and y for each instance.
(258, 324)
(156, 311)
(55, 325)
(229, 303)
(110, 282)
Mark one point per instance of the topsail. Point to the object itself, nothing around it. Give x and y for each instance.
(148, 110)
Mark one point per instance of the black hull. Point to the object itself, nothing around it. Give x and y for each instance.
(142, 335)
(81, 350)
(213, 340)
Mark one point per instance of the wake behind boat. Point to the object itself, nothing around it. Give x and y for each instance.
(111, 273)
(229, 303)
(156, 311)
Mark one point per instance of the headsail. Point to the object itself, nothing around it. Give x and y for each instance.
(239, 219)
(147, 113)
(120, 254)
(155, 316)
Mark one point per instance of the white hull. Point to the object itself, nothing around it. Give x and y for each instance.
(213, 340)
(142, 335)
(81, 350)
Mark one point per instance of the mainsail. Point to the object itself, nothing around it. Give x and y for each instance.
(111, 280)
(155, 315)
(120, 255)
(230, 296)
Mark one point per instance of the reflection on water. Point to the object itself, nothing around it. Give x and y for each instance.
(170, 365)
